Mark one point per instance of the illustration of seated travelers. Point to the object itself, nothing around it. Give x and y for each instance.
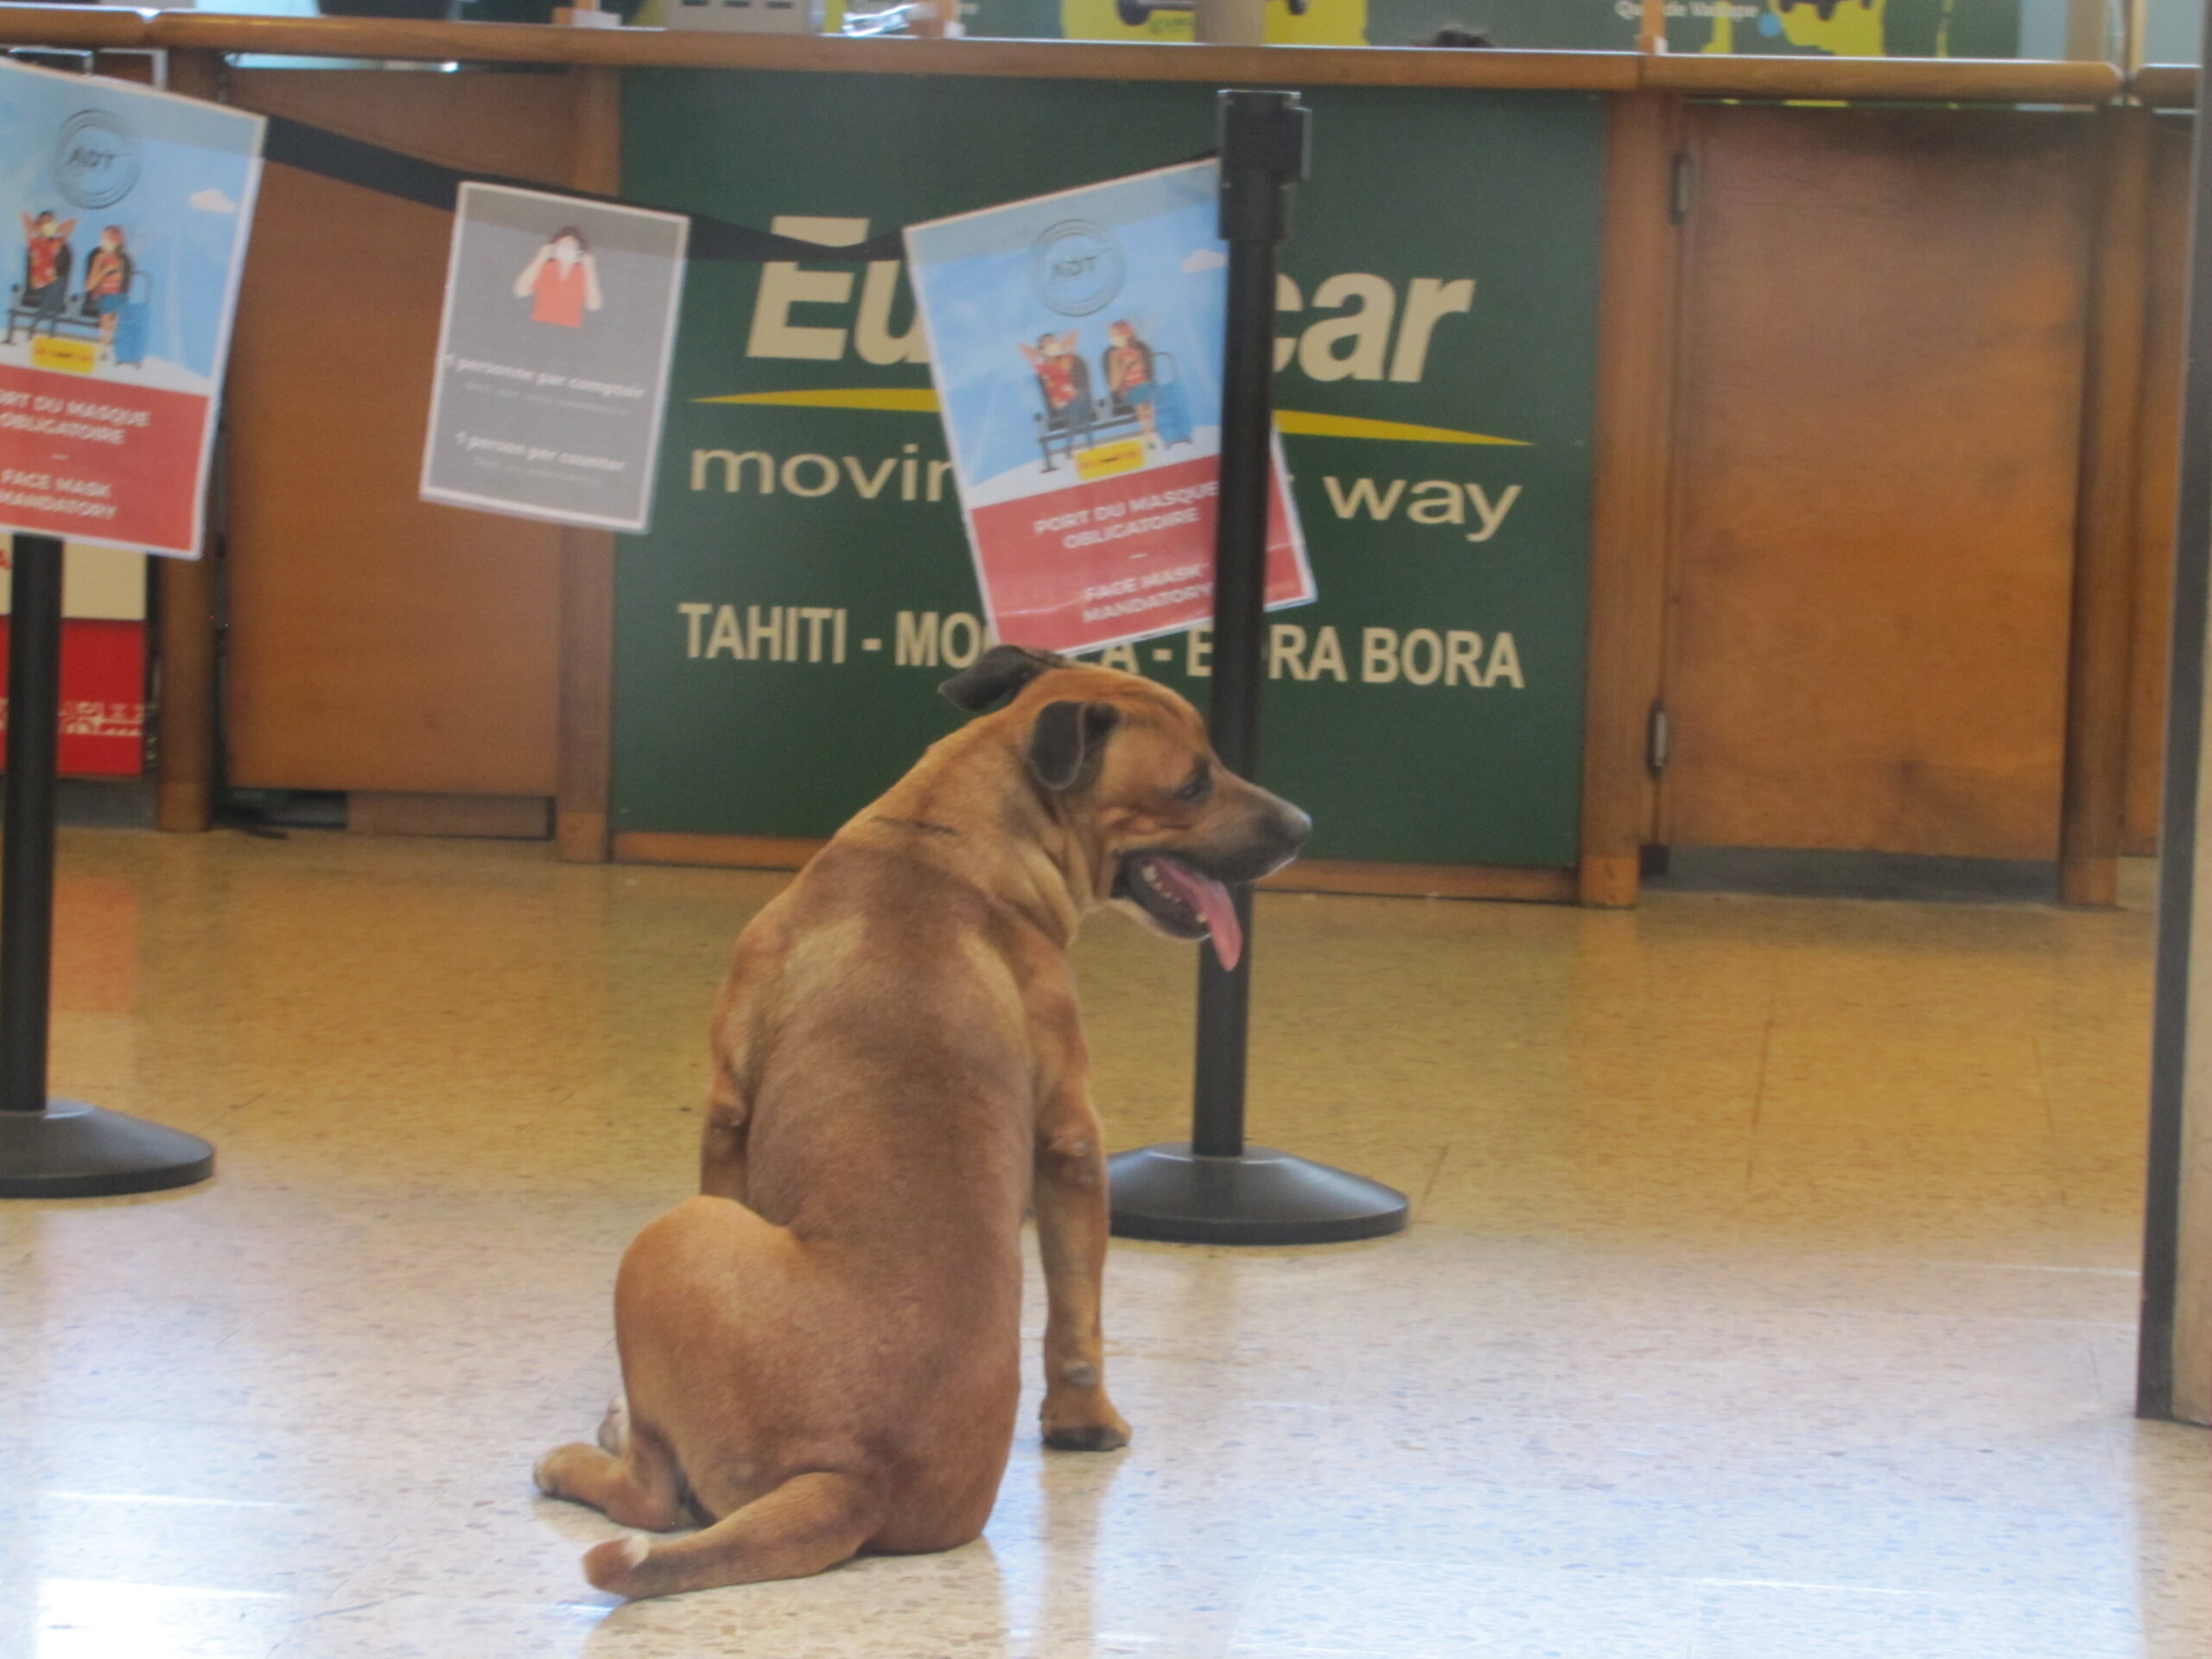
(111, 310)
(1143, 398)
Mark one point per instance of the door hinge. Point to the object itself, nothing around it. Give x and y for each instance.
(1656, 740)
(1680, 187)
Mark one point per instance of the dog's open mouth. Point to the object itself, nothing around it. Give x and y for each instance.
(1185, 903)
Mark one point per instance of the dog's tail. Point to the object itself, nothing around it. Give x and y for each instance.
(809, 1523)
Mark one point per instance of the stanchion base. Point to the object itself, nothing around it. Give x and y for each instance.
(1168, 1192)
(74, 1151)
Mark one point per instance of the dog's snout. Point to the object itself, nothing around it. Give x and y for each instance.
(1278, 832)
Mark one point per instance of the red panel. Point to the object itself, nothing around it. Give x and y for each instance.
(103, 697)
(100, 458)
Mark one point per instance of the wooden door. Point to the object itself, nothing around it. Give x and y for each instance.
(1880, 394)
(378, 644)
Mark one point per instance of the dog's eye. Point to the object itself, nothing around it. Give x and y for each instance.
(1199, 788)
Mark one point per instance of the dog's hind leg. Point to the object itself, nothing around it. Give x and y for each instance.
(638, 1486)
(809, 1523)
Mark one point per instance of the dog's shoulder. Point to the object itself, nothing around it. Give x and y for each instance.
(889, 890)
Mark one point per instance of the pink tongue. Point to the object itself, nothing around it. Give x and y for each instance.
(1212, 901)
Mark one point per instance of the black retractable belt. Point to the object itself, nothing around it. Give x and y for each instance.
(393, 172)
(1214, 1189)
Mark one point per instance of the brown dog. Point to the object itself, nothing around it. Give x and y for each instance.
(820, 1355)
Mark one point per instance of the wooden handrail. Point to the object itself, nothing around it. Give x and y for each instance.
(2165, 85)
(1036, 59)
(116, 26)
(1699, 74)
(1696, 74)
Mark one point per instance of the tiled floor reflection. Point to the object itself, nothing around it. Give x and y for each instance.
(1770, 1297)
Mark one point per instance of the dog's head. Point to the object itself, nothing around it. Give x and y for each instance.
(1171, 828)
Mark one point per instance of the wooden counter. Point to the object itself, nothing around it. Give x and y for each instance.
(1883, 437)
(1700, 75)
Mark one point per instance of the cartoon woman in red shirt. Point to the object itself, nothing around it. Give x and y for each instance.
(1053, 359)
(107, 282)
(562, 281)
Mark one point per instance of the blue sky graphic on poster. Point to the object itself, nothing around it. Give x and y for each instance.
(1147, 254)
(174, 176)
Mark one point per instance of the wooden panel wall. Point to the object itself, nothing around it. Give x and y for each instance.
(1878, 406)
(1879, 350)
(376, 643)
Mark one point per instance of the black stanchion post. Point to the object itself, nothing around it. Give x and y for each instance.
(2165, 1314)
(27, 853)
(57, 1148)
(1214, 1189)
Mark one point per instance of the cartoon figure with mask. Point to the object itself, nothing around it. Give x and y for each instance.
(1129, 376)
(562, 281)
(46, 265)
(107, 282)
(1054, 361)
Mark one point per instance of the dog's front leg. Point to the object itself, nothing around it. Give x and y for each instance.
(1072, 1220)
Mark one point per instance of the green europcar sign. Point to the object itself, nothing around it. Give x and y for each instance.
(807, 581)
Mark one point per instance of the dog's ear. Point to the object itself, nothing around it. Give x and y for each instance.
(1066, 739)
(998, 672)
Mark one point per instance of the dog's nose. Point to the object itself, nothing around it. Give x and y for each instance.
(1296, 827)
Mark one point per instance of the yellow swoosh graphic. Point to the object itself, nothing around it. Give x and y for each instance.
(910, 400)
(1302, 425)
(920, 400)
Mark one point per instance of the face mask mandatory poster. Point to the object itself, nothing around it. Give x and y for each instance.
(1076, 342)
(127, 211)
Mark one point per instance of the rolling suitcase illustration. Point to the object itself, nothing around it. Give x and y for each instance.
(131, 325)
(1170, 415)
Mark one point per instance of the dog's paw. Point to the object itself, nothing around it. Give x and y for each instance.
(1087, 1437)
(541, 1474)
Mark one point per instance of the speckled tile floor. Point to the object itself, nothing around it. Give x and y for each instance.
(1769, 1295)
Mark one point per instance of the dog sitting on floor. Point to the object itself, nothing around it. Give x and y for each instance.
(820, 1353)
